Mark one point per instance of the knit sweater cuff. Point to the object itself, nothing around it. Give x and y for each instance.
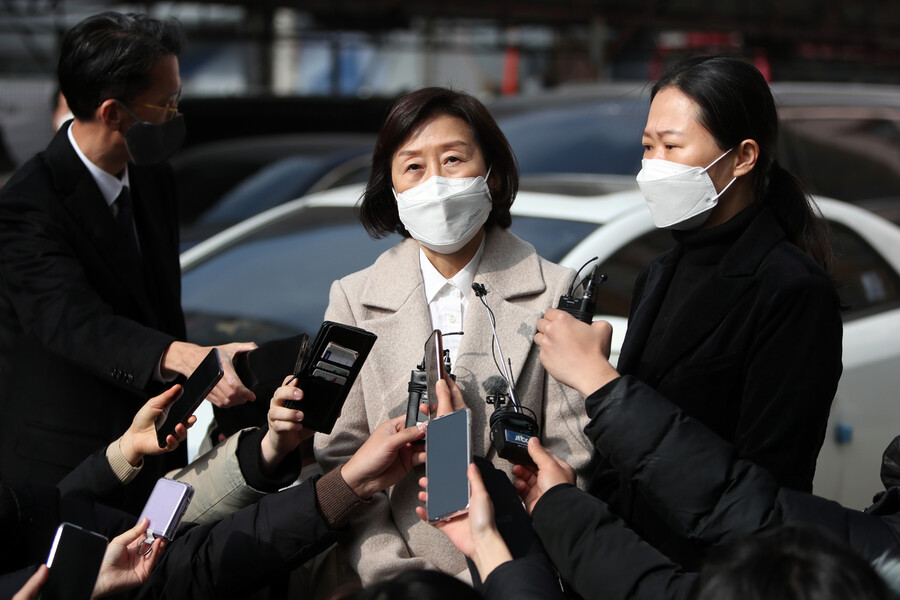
(337, 502)
(123, 471)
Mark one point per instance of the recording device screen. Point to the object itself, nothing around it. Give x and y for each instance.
(448, 452)
(193, 392)
(74, 561)
(434, 365)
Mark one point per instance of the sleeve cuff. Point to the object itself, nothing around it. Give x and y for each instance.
(123, 471)
(549, 494)
(604, 391)
(250, 459)
(336, 500)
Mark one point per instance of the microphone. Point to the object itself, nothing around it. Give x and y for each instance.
(583, 308)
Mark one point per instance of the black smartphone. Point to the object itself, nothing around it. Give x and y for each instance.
(434, 366)
(448, 452)
(328, 373)
(166, 507)
(74, 561)
(193, 392)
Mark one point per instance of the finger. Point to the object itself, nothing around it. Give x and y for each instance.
(135, 533)
(34, 583)
(422, 513)
(402, 436)
(285, 393)
(290, 380)
(476, 484)
(539, 454)
(444, 399)
(423, 496)
(166, 398)
(423, 483)
(239, 392)
(417, 458)
(281, 413)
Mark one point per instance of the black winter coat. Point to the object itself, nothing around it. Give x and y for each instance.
(698, 483)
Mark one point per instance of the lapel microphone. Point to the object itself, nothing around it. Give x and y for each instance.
(512, 424)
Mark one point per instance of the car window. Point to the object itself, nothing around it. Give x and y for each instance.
(275, 283)
(551, 238)
(866, 282)
(623, 267)
(594, 137)
(851, 159)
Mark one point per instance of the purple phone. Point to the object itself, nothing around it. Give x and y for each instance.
(166, 507)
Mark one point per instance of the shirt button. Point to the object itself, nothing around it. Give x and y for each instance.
(452, 318)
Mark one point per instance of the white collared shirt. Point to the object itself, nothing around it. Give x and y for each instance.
(448, 298)
(110, 185)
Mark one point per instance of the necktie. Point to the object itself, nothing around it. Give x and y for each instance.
(125, 219)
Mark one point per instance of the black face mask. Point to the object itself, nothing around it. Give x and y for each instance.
(149, 144)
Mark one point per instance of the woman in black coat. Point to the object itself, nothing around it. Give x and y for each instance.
(739, 324)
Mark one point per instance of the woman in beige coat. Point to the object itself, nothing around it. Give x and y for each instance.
(444, 177)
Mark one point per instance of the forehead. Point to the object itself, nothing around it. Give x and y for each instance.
(673, 109)
(438, 131)
(165, 79)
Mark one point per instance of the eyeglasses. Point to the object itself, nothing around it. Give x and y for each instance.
(171, 107)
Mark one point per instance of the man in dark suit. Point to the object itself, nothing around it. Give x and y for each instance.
(90, 293)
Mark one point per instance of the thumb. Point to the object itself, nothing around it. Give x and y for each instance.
(166, 398)
(404, 435)
(541, 456)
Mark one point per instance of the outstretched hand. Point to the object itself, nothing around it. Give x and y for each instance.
(549, 471)
(140, 440)
(474, 533)
(123, 568)
(385, 458)
(575, 353)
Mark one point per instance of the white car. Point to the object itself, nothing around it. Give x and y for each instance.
(269, 276)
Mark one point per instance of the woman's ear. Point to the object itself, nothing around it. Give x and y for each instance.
(746, 155)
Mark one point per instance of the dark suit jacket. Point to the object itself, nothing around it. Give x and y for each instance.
(83, 320)
(755, 356)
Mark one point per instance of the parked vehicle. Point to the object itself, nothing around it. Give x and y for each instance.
(269, 277)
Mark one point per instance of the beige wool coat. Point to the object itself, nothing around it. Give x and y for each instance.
(388, 299)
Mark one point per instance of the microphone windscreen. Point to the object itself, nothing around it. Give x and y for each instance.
(494, 385)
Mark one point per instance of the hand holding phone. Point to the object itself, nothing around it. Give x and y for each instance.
(448, 452)
(193, 392)
(328, 373)
(74, 561)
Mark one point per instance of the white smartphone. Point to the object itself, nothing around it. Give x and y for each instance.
(448, 452)
(74, 561)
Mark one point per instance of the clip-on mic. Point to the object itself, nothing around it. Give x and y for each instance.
(583, 308)
(511, 426)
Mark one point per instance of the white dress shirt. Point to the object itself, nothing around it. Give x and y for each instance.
(448, 298)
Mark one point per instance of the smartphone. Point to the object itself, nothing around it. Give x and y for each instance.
(434, 366)
(193, 392)
(74, 561)
(166, 507)
(448, 452)
(328, 373)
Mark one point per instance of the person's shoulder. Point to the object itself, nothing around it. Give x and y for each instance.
(786, 263)
(391, 261)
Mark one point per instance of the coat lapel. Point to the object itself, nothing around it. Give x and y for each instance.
(87, 207)
(509, 271)
(394, 301)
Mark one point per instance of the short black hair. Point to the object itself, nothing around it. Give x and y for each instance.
(790, 562)
(110, 55)
(378, 207)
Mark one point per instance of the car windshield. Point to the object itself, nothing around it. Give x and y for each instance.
(285, 272)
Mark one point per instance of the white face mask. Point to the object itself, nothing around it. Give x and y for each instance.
(679, 196)
(445, 213)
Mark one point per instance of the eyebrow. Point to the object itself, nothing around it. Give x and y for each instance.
(443, 147)
(665, 132)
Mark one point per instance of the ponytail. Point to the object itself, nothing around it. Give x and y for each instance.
(798, 215)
